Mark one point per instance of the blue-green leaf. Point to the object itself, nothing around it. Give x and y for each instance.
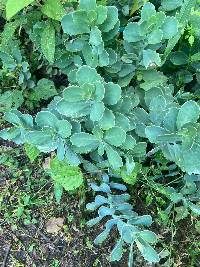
(84, 139)
(117, 251)
(115, 136)
(189, 112)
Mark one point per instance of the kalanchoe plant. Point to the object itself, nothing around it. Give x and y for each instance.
(92, 27)
(145, 37)
(172, 127)
(92, 117)
(119, 213)
(122, 98)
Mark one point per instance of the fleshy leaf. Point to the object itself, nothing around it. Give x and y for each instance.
(115, 136)
(189, 112)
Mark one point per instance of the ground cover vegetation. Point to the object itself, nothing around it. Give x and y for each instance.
(101, 100)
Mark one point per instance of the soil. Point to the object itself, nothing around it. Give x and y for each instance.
(30, 245)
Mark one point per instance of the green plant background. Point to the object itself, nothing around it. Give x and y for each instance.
(107, 87)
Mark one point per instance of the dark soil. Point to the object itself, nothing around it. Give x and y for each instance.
(29, 245)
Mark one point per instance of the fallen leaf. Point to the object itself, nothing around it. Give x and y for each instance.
(46, 164)
(54, 225)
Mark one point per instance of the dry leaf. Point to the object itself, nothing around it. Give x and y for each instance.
(46, 164)
(47, 161)
(54, 225)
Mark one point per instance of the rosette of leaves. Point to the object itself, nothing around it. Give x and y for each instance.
(92, 27)
(143, 39)
(103, 113)
(93, 117)
(174, 128)
(119, 214)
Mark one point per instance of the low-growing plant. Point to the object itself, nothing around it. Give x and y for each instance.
(131, 89)
(130, 226)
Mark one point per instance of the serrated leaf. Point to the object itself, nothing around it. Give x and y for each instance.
(147, 251)
(111, 19)
(103, 59)
(170, 119)
(122, 121)
(95, 36)
(100, 91)
(108, 120)
(76, 93)
(145, 220)
(169, 27)
(152, 133)
(97, 111)
(108, 36)
(12, 134)
(151, 58)
(84, 139)
(75, 23)
(87, 4)
(101, 14)
(169, 5)
(132, 32)
(189, 112)
(86, 74)
(53, 9)
(155, 37)
(101, 237)
(72, 109)
(31, 151)
(112, 93)
(129, 143)
(69, 177)
(94, 221)
(46, 118)
(63, 128)
(48, 42)
(90, 56)
(19, 119)
(38, 138)
(148, 11)
(115, 136)
(195, 208)
(114, 158)
(148, 236)
(13, 7)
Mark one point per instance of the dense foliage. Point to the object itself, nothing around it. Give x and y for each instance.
(116, 83)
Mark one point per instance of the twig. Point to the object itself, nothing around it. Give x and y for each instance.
(153, 151)
(6, 256)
